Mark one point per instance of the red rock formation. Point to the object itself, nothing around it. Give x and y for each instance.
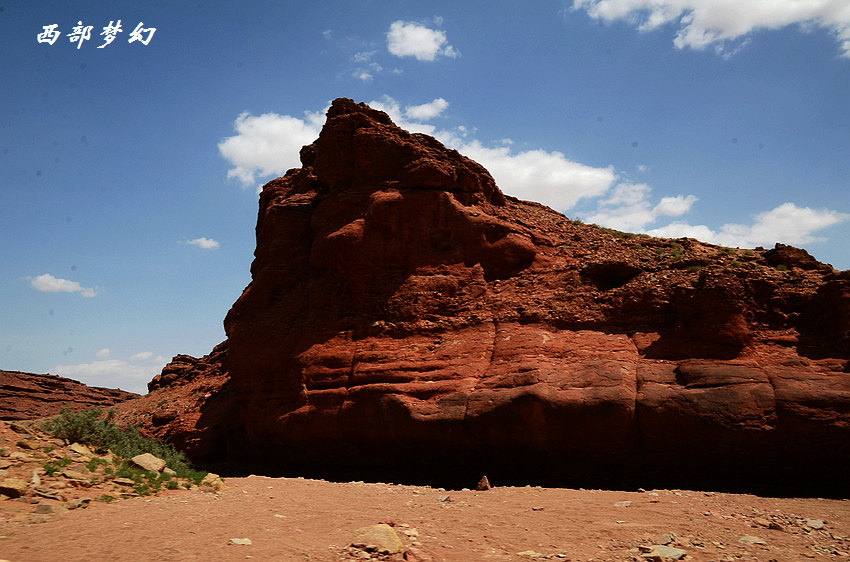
(26, 396)
(404, 314)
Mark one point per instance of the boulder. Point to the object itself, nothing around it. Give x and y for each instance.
(149, 462)
(13, 487)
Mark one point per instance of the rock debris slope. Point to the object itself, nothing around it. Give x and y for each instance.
(405, 315)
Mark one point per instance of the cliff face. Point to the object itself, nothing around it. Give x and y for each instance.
(26, 396)
(404, 315)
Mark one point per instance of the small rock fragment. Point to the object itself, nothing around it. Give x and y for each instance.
(213, 480)
(623, 504)
(483, 484)
(18, 427)
(240, 541)
(79, 503)
(815, 523)
(660, 552)
(667, 538)
(749, 539)
(48, 508)
(31, 444)
(81, 449)
(74, 474)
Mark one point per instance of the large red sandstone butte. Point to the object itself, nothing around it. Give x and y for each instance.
(407, 318)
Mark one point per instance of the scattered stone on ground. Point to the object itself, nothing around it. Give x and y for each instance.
(660, 552)
(240, 541)
(298, 518)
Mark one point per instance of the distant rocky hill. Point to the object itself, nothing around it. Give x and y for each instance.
(26, 396)
(406, 318)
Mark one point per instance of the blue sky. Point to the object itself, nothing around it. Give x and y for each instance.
(128, 193)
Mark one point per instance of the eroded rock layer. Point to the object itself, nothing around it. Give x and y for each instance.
(405, 315)
(26, 396)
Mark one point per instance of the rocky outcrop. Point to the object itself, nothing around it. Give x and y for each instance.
(26, 396)
(404, 315)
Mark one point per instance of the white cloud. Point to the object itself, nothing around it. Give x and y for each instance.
(204, 243)
(368, 68)
(411, 39)
(703, 23)
(364, 56)
(141, 356)
(786, 223)
(426, 111)
(113, 373)
(50, 284)
(628, 208)
(130, 374)
(675, 206)
(546, 177)
(268, 144)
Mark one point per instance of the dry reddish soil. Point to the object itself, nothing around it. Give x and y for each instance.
(300, 519)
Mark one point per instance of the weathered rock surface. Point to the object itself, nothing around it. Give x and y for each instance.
(405, 315)
(25, 396)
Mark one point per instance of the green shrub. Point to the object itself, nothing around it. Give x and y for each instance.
(105, 498)
(782, 267)
(91, 427)
(82, 427)
(95, 462)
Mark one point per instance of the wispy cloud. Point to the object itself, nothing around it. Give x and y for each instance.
(50, 284)
(411, 39)
(786, 223)
(204, 243)
(426, 111)
(716, 23)
(628, 207)
(130, 374)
